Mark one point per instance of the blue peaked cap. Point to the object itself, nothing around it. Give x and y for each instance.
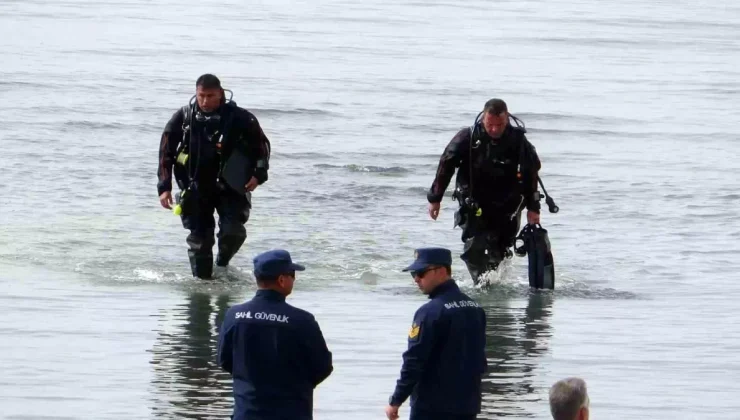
(426, 257)
(274, 263)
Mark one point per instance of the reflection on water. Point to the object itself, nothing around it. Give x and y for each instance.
(187, 381)
(516, 337)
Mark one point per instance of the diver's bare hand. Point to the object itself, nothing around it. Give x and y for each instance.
(251, 185)
(533, 217)
(434, 210)
(166, 199)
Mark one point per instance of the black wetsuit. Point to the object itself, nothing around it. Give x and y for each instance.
(504, 181)
(208, 143)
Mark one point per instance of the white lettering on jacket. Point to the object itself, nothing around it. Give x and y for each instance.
(262, 316)
(461, 304)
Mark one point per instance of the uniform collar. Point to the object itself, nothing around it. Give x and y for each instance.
(269, 294)
(443, 288)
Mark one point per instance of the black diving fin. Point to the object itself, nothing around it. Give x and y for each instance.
(536, 245)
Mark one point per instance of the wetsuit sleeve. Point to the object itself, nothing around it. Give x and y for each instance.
(530, 172)
(259, 149)
(422, 337)
(225, 354)
(449, 161)
(170, 140)
(320, 358)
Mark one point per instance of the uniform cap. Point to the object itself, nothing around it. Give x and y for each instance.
(274, 263)
(426, 257)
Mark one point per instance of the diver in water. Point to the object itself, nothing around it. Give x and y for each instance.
(497, 175)
(219, 154)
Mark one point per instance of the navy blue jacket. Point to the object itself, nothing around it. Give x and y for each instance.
(276, 354)
(445, 360)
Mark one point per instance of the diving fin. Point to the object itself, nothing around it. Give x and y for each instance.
(536, 245)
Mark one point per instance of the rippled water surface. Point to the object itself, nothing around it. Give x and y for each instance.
(632, 108)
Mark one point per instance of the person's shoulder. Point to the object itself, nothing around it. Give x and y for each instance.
(243, 114)
(179, 113)
(471, 302)
(299, 314)
(430, 309)
(463, 134)
(463, 131)
(528, 150)
(518, 132)
(176, 120)
(519, 129)
(237, 311)
(461, 140)
(517, 124)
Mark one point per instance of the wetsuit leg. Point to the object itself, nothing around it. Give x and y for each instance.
(475, 255)
(477, 249)
(508, 230)
(487, 242)
(199, 220)
(233, 213)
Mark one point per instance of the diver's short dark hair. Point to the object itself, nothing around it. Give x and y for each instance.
(495, 106)
(208, 81)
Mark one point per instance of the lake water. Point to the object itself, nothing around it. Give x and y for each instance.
(632, 108)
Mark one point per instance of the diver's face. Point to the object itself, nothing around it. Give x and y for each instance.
(208, 99)
(495, 124)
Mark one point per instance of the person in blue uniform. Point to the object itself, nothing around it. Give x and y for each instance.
(445, 360)
(275, 352)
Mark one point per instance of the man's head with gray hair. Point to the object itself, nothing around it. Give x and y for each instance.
(569, 399)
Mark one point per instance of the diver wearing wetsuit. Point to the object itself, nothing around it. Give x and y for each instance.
(497, 174)
(199, 141)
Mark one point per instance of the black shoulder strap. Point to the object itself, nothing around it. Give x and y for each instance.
(187, 112)
(470, 152)
(227, 125)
